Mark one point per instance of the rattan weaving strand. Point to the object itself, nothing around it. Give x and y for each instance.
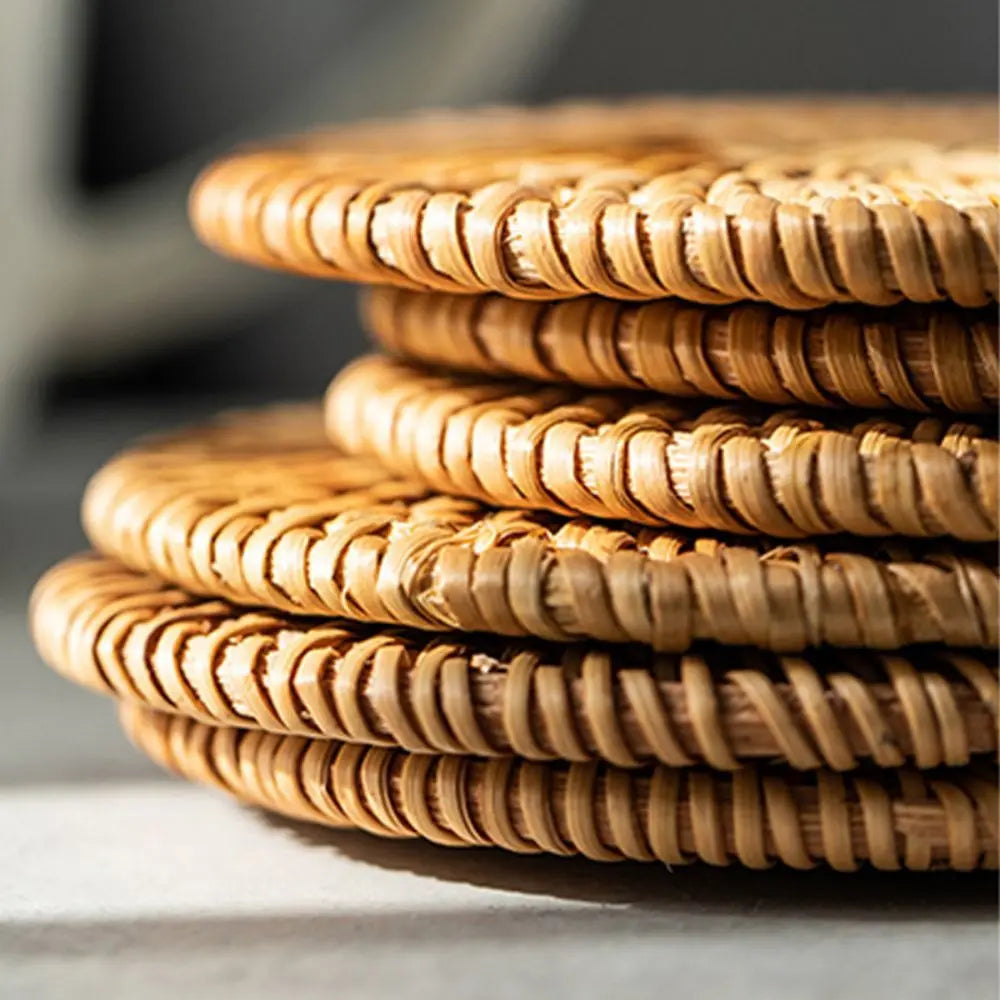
(141, 640)
(914, 358)
(654, 461)
(253, 510)
(605, 813)
(630, 201)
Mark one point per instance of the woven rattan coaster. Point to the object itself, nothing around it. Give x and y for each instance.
(655, 461)
(796, 204)
(130, 635)
(254, 510)
(891, 819)
(915, 358)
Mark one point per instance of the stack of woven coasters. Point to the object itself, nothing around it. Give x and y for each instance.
(705, 575)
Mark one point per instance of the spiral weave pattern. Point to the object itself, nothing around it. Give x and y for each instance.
(914, 358)
(264, 523)
(654, 461)
(141, 640)
(641, 202)
(751, 817)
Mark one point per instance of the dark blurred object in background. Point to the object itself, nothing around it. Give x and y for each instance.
(848, 46)
(164, 79)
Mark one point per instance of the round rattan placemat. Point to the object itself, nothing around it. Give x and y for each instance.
(254, 510)
(785, 473)
(753, 817)
(799, 204)
(915, 358)
(130, 635)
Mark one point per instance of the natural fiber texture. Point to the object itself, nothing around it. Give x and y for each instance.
(655, 461)
(141, 640)
(755, 818)
(251, 510)
(796, 204)
(914, 358)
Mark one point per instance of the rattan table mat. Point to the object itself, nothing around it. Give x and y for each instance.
(738, 468)
(915, 358)
(890, 819)
(800, 204)
(141, 640)
(255, 509)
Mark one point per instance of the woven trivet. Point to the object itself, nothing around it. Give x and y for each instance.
(785, 473)
(796, 204)
(890, 819)
(915, 358)
(255, 511)
(130, 635)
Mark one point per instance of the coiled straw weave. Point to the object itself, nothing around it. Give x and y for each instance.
(253, 511)
(800, 206)
(141, 640)
(913, 358)
(655, 461)
(751, 817)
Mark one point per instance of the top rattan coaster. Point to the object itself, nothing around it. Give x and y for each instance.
(915, 358)
(798, 204)
(255, 509)
(784, 473)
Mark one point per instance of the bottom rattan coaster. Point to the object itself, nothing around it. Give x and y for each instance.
(130, 635)
(754, 817)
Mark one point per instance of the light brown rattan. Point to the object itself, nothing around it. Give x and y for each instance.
(141, 640)
(753, 817)
(251, 510)
(799, 204)
(915, 358)
(784, 473)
